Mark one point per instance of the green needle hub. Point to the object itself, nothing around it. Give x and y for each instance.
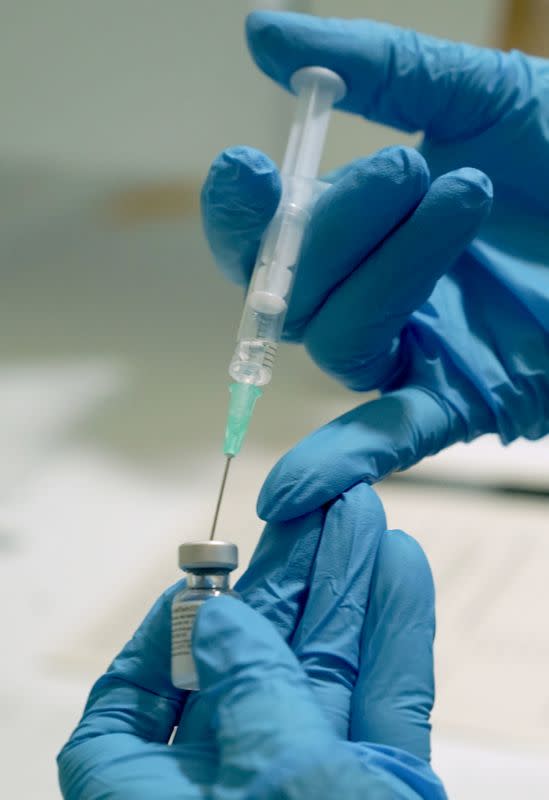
(241, 406)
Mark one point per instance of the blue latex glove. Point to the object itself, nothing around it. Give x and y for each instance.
(403, 283)
(326, 693)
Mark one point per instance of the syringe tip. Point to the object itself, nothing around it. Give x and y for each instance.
(241, 406)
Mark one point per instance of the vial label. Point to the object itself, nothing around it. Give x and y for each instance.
(183, 615)
(183, 668)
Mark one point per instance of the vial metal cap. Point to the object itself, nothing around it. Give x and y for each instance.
(208, 555)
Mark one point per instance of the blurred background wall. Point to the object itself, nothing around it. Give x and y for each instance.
(115, 332)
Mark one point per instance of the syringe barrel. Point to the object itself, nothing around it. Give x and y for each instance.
(274, 273)
(272, 281)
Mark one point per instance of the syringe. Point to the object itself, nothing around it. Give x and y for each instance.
(270, 289)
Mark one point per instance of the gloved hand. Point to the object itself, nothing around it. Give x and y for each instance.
(403, 284)
(325, 693)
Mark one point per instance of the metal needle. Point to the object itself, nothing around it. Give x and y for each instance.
(220, 496)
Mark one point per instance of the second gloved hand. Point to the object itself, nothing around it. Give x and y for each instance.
(404, 283)
(324, 694)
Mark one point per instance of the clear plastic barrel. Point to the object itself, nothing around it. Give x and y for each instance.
(268, 297)
(272, 281)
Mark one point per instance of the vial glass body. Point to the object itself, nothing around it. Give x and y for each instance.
(201, 585)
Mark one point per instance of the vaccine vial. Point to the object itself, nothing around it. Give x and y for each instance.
(208, 565)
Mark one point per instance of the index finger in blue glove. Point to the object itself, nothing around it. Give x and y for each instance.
(327, 639)
(367, 202)
(367, 444)
(355, 335)
(393, 697)
(394, 76)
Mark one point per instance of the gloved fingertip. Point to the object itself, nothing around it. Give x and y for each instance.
(239, 198)
(479, 179)
(410, 161)
(259, 23)
(403, 568)
(473, 187)
(241, 172)
(366, 506)
(264, 37)
(241, 157)
(285, 496)
(397, 165)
